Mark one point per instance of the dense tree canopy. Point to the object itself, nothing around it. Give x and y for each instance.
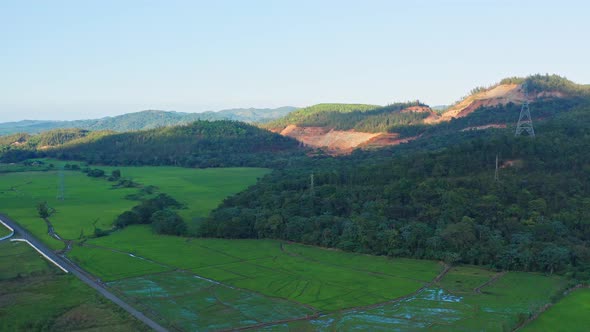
(200, 144)
(440, 204)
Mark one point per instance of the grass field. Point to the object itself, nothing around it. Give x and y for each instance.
(497, 308)
(91, 202)
(571, 314)
(87, 201)
(464, 279)
(4, 231)
(36, 296)
(200, 284)
(193, 304)
(201, 190)
(342, 280)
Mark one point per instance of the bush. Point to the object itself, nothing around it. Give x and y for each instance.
(168, 222)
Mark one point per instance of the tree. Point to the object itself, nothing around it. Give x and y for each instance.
(168, 222)
(43, 210)
(127, 218)
(115, 175)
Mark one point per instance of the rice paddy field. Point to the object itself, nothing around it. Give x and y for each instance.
(37, 296)
(192, 284)
(569, 314)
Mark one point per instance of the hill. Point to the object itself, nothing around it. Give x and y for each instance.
(199, 144)
(341, 128)
(146, 120)
(441, 203)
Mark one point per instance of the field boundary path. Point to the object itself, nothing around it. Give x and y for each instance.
(487, 283)
(81, 274)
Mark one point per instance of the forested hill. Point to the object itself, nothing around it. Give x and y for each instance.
(199, 144)
(374, 118)
(342, 128)
(437, 205)
(146, 120)
(360, 117)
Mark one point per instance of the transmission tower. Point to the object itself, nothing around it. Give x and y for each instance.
(311, 185)
(525, 123)
(60, 185)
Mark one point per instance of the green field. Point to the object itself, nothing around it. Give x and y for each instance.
(37, 296)
(571, 314)
(91, 202)
(4, 231)
(499, 307)
(196, 283)
(273, 269)
(87, 201)
(188, 303)
(201, 190)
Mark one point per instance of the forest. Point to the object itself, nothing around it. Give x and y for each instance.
(360, 117)
(199, 144)
(437, 204)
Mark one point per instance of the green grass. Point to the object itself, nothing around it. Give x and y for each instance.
(260, 265)
(498, 308)
(192, 304)
(571, 314)
(201, 190)
(7, 168)
(19, 259)
(113, 265)
(464, 279)
(91, 201)
(37, 296)
(4, 231)
(256, 276)
(87, 201)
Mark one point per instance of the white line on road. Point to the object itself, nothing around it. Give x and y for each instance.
(39, 251)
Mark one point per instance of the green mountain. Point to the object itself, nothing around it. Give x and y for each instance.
(437, 197)
(146, 120)
(221, 143)
(442, 204)
(359, 117)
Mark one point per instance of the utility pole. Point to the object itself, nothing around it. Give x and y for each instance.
(311, 185)
(496, 174)
(525, 123)
(60, 190)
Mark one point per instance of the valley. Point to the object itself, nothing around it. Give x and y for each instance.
(191, 283)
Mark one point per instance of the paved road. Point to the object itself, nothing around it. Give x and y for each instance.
(81, 274)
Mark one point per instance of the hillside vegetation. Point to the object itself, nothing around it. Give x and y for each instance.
(200, 144)
(359, 117)
(146, 120)
(437, 205)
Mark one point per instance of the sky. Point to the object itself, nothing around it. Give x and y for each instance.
(90, 59)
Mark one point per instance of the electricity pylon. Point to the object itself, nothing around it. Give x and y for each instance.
(525, 123)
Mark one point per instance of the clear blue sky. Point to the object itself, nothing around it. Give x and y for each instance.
(87, 59)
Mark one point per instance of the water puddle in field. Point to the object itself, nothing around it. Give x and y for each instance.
(187, 302)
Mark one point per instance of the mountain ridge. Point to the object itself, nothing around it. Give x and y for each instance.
(342, 128)
(147, 119)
